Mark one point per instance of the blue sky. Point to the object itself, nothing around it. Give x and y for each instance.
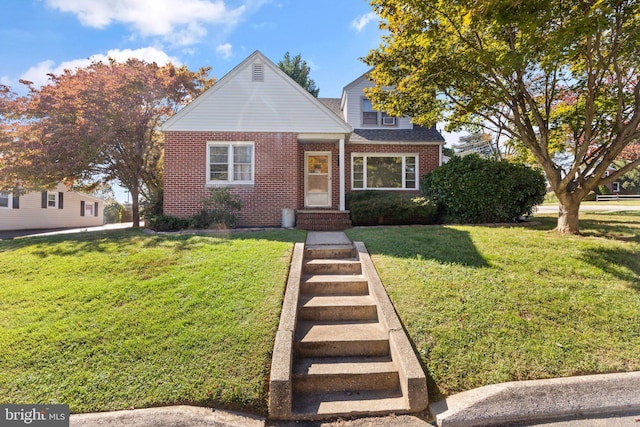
(43, 36)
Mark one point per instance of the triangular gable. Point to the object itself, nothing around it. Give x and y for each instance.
(275, 103)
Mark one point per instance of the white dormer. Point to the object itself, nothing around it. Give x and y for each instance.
(358, 110)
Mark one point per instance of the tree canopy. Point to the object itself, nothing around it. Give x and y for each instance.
(560, 78)
(94, 125)
(298, 70)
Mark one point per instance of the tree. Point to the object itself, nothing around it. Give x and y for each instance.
(479, 143)
(298, 70)
(97, 125)
(559, 77)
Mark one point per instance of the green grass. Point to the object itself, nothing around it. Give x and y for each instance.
(485, 305)
(107, 321)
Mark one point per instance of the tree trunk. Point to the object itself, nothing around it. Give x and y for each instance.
(135, 208)
(568, 216)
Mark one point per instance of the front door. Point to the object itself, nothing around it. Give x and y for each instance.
(317, 180)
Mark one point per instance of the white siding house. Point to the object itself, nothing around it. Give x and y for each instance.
(58, 208)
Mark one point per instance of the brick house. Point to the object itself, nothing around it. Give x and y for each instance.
(259, 133)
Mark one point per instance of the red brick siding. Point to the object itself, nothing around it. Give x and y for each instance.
(428, 156)
(275, 177)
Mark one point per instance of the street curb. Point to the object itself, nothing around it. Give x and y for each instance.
(167, 416)
(541, 400)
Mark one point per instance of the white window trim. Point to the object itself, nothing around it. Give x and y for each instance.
(230, 181)
(615, 186)
(404, 169)
(55, 198)
(9, 201)
(88, 209)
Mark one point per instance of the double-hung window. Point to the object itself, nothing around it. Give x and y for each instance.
(384, 171)
(230, 163)
(5, 200)
(52, 200)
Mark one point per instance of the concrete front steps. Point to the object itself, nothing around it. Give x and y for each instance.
(340, 348)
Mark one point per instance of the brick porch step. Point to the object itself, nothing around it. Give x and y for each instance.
(323, 220)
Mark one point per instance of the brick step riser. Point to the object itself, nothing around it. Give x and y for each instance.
(352, 268)
(357, 312)
(366, 348)
(335, 288)
(346, 253)
(346, 382)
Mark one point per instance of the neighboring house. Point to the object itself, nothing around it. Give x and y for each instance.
(257, 132)
(59, 208)
(614, 186)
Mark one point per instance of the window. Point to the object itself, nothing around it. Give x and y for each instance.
(369, 115)
(88, 209)
(52, 200)
(5, 200)
(230, 163)
(375, 117)
(384, 171)
(616, 187)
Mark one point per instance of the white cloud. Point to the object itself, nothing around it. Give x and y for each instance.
(5, 80)
(38, 73)
(181, 22)
(360, 22)
(224, 50)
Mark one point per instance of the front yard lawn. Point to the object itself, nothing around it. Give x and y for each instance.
(107, 321)
(485, 305)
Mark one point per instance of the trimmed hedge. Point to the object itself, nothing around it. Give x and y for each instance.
(474, 190)
(373, 207)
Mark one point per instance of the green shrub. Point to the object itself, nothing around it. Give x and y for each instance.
(163, 222)
(219, 209)
(390, 207)
(471, 189)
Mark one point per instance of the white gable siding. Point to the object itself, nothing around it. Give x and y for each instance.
(238, 103)
(31, 214)
(353, 107)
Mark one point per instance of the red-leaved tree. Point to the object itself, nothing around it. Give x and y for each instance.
(94, 125)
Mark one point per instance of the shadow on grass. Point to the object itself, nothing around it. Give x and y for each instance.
(118, 240)
(445, 245)
(621, 263)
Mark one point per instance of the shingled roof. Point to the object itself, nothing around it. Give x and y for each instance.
(417, 134)
(334, 105)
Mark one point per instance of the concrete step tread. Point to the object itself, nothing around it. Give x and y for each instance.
(333, 278)
(318, 405)
(309, 331)
(331, 261)
(336, 301)
(330, 246)
(344, 365)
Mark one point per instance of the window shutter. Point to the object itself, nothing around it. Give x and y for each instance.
(16, 202)
(95, 209)
(60, 199)
(81, 207)
(44, 200)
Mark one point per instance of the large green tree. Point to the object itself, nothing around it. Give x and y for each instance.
(560, 77)
(298, 70)
(94, 125)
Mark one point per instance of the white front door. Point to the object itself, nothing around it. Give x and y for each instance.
(317, 180)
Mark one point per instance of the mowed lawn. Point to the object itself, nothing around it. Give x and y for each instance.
(114, 320)
(485, 305)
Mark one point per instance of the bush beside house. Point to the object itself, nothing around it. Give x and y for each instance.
(390, 208)
(471, 189)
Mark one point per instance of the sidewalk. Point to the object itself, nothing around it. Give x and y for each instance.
(54, 231)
